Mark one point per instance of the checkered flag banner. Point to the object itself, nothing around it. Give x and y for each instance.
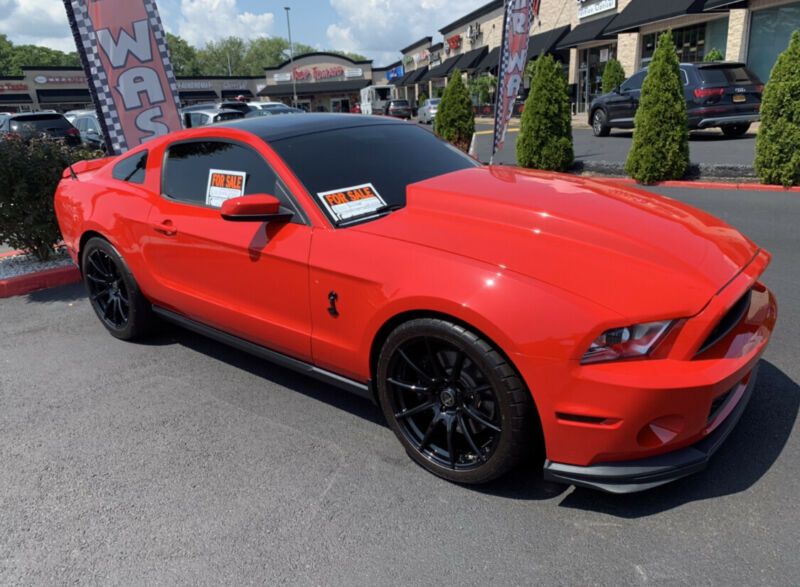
(513, 58)
(123, 49)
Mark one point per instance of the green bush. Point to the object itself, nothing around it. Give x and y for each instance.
(29, 173)
(482, 87)
(613, 75)
(422, 97)
(660, 149)
(545, 137)
(714, 55)
(454, 120)
(777, 145)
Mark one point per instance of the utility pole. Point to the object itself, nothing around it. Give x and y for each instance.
(291, 57)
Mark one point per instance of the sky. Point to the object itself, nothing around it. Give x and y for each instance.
(375, 28)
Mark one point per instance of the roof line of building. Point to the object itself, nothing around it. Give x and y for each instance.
(319, 53)
(485, 9)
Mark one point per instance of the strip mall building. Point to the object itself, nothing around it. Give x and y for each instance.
(582, 34)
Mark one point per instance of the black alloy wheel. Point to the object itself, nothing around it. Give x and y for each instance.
(113, 293)
(107, 290)
(453, 401)
(599, 126)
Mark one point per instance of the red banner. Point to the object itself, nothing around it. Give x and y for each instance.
(513, 59)
(123, 49)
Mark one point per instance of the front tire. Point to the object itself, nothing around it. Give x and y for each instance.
(735, 130)
(457, 406)
(600, 126)
(113, 292)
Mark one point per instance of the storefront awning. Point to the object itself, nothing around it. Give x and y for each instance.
(490, 61)
(719, 4)
(587, 32)
(469, 60)
(16, 99)
(233, 94)
(640, 12)
(402, 80)
(63, 96)
(544, 42)
(198, 95)
(339, 87)
(441, 70)
(414, 77)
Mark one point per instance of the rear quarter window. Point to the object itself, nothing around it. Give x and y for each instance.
(131, 169)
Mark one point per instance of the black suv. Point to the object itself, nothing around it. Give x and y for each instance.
(40, 123)
(718, 94)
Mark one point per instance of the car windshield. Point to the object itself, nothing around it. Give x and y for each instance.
(399, 102)
(389, 157)
(39, 122)
(435, 102)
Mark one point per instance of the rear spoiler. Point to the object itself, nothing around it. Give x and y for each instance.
(84, 166)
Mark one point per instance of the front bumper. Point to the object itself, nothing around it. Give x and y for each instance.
(643, 474)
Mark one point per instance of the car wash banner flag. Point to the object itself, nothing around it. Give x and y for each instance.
(124, 52)
(513, 58)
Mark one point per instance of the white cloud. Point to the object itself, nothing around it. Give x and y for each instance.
(36, 22)
(201, 21)
(380, 28)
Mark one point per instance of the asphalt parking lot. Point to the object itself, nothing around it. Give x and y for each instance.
(709, 147)
(183, 461)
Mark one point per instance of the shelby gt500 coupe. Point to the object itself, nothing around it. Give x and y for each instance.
(490, 311)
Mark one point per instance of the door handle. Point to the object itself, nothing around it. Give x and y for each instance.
(165, 227)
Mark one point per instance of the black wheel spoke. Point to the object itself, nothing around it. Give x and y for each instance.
(415, 410)
(408, 386)
(428, 433)
(458, 366)
(414, 366)
(97, 266)
(481, 419)
(471, 441)
(433, 357)
(451, 445)
(96, 279)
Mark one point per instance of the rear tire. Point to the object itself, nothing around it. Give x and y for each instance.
(735, 130)
(113, 292)
(457, 406)
(600, 126)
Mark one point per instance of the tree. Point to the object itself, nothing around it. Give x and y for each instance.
(545, 137)
(14, 57)
(482, 87)
(714, 55)
(6, 56)
(613, 75)
(183, 56)
(777, 155)
(454, 120)
(223, 57)
(422, 97)
(660, 149)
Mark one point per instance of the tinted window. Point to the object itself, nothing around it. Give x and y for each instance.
(80, 124)
(390, 157)
(131, 169)
(399, 102)
(188, 165)
(223, 116)
(39, 122)
(727, 75)
(635, 82)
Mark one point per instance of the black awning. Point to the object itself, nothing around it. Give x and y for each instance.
(417, 75)
(63, 96)
(16, 99)
(587, 32)
(441, 70)
(469, 60)
(401, 81)
(339, 87)
(718, 4)
(640, 12)
(226, 94)
(197, 95)
(490, 61)
(544, 42)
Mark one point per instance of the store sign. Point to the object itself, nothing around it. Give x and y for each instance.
(395, 73)
(10, 87)
(60, 79)
(474, 33)
(194, 85)
(587, 8)
(319, 73)
(123, 49)
(234, 85)
(408, 60)
(422, 57)
(353, 72)
(282, 77)
(454, 43)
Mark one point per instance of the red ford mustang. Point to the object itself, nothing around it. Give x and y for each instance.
(490, 311)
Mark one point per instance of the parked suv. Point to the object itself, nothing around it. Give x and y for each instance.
(718, 94)
(89, 127)
(40, 123)
(397, 109)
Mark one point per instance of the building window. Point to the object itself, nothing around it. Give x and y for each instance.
(770, 30)
(691, 42)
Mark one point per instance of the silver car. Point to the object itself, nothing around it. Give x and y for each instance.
(196, 118)
(427, 111)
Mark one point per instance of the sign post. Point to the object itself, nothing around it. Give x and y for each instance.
(123, 49)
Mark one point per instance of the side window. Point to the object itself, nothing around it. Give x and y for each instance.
(187, 171)
(684, 77)
(91, 124)
(131, 169)
(635, 82)
(80, 124)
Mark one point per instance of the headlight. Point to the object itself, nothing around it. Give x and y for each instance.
(626, 342)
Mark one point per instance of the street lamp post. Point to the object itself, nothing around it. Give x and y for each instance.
(291, 57)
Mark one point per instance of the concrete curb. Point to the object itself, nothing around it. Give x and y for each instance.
(702, 171)
(30, 282)
(703, 185)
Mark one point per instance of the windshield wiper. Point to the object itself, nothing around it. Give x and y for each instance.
(382, 211)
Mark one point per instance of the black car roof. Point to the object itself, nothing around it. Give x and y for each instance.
(273, 128)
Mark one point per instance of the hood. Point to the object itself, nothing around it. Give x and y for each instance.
(639, 254)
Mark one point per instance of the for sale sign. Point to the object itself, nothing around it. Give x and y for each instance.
(123, 49)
